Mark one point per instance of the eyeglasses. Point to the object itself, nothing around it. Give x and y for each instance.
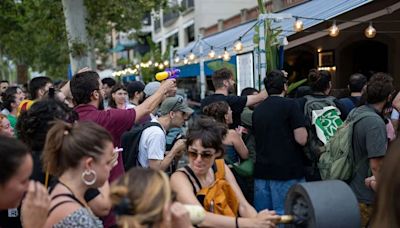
(205, 156)
(179, 101)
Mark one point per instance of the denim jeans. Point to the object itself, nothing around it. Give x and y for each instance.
(271, 194)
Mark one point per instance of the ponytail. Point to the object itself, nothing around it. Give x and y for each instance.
(52, 153)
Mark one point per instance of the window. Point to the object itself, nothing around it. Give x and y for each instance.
(187, 4)
(173, 40)
(157, 24)
(189, 34)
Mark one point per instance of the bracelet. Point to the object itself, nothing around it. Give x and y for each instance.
(237, 222)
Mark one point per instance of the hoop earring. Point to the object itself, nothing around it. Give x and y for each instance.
(89, 173)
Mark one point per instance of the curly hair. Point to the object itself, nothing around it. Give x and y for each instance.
(33, 125)
(8, 97)
(379, 87)
(217, 110)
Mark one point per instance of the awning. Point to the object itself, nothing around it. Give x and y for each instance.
(193, 70)
(321, 9)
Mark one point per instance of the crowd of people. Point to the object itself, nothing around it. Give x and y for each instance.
(64, 163)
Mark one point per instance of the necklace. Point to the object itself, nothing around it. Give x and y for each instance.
(83, 204)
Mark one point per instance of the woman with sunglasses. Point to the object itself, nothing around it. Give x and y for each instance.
(204, 145)
(235, 148)
(143, 198)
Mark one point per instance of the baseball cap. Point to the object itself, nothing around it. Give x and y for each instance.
(174, 104)
(135, 86)
(151, 88)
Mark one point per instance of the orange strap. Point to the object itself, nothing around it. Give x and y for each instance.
(220, 174)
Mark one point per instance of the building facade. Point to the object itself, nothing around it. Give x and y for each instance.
(185, 20)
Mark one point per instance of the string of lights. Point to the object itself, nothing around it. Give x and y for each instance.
(237, 46)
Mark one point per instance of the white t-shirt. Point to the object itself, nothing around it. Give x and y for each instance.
(151, 145)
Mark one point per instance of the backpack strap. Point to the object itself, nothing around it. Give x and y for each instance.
(190, 180)
(220, 174)
(356, 117)
(190, 171)
(144, 127)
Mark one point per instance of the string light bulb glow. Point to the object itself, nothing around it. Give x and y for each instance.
(166, 63)
(177, 59)
(160, 66)
(226, 56)
(185, 60)
(238, 46)
(334, 30)
(192, 56)
(298, 25)
(370, 31)
(211, 54)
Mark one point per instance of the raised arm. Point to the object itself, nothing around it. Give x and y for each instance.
(255, 99)
(239, 145)
(154, 100)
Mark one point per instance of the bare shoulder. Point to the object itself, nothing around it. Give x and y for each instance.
(61, 206)
(178, 178)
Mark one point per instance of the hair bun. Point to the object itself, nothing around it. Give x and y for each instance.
(314, 75)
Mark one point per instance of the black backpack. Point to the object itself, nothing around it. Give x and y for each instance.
(130, 143)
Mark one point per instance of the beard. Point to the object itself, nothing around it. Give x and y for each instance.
(232, 89)
(101, 102)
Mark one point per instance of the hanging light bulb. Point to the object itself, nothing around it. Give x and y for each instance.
(160, 66)
(370, 31)
(298, 25)
(192, 56)
(185, 60)
(238, 46)
(177, 59)
(334, 30)
(166, 63)
(226, 56)
(211, 54)
(156, 64)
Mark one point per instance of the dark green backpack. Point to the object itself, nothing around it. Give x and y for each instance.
(337, 161)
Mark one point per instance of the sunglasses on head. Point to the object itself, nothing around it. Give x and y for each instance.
(194, 155)
(179, 101)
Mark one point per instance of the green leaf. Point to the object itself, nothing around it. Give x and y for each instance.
(295, 85)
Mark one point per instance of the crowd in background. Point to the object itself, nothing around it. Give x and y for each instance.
(63, 154)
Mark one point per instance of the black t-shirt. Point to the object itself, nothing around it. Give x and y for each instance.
(236, 103)
(278, 155)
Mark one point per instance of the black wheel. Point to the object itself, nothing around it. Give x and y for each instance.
(323, 204)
